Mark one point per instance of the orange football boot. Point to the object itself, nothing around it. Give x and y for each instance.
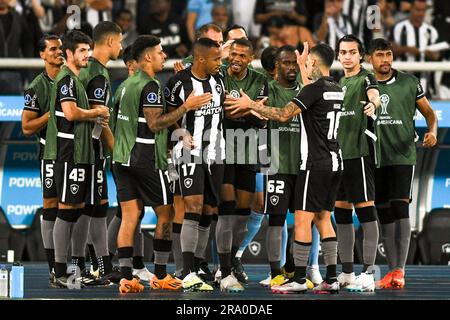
(168, 283)
(386, 282)
(130, 286)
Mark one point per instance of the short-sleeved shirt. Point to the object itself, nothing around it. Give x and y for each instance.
(204, 124)
(395, 120)
(66, 91)
(31, 103)
(143, 153)
(321, 104)
(354, 123)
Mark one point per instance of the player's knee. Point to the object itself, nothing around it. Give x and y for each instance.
(343, 216)
(400, 209)
(50, 203)
(193, 206)
(227, 207)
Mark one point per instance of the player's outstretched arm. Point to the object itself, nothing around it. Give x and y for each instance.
(158, 121)
(373, 103)
(430, 138)
(244, 104)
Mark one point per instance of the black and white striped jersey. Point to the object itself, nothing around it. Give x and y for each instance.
(356, 11)
(321, 104)
(405, 34)
(337, 28)
(204, 124)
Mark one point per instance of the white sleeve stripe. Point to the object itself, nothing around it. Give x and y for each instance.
(300, 103)
(103, 101)
(68, 98)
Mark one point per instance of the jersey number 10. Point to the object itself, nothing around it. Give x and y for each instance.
(334, 117)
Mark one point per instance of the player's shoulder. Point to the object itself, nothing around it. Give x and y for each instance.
(41, 80)
(403, 76)
(256, 74)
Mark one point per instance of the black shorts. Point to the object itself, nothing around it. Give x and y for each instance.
(279, 196)
(316, 191)
(71, 181)
(150, 185)
(201, 179)
(241, 176)
(358, 181)
(393, 182)
(48, 179)
(98, 186)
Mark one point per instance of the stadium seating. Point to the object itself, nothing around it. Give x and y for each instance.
(434, 239)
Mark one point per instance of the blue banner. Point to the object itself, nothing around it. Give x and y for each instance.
(20, 193)
(440, 193)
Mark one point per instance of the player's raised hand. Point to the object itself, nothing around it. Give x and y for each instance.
(301, 58)
(429, 140)
(194, 102)
(178, 66)
(369, 109)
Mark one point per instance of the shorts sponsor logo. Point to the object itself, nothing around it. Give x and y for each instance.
(100, 190)
(98, 93)
(74, 188)
(48, 183)
(254, 247)
(274, 200)
(188, 182)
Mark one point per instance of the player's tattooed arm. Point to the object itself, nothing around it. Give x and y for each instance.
(158, 121)
(278, 114)
(244, 103)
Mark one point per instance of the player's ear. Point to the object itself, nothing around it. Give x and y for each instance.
(148, 56)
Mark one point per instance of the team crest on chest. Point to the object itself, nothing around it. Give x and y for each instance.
(100, 190)
(235, 94)
(219, 88)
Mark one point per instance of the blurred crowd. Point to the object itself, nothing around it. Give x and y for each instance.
(412, 25)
